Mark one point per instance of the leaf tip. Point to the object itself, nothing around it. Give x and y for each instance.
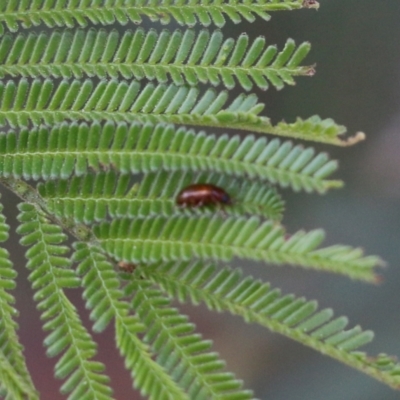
(310, 71)
(358, 137)
(311, 4)
(378, 279)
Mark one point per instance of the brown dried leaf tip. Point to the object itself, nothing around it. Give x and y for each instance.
(311, 4)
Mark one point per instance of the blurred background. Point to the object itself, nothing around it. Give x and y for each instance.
(356, 47)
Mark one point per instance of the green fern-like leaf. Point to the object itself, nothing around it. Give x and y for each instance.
(103, 297)
(186, 57)
(68, 149)
(255, 301)
(113, 162)
(94, 198)
(50, 274)
(15, 378)
(148, 240)
(13, 385)
(59, 13)
(179, 350)
(43, 101)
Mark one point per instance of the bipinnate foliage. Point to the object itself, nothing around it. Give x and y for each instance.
(90, 142)
(69, 149)
(93, 197)
(51, 273)
(184, 57)
(179, 349)
(50, 103)
(81, 12)
(14, 376)
(224, 289)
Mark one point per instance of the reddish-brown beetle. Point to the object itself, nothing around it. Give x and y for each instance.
(202, 194)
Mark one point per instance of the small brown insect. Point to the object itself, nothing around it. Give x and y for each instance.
(202, 194)
(126, 267)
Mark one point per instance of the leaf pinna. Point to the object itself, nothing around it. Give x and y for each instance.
(78, 148)
(104, 297)
(186, 58)
(185, 12)
(51, 273)
(225, 289)
(199, 371)
(96, 197)
(14, 374)
(150, 240)
(43, 101)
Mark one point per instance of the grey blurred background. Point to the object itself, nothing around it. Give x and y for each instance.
(357, 50)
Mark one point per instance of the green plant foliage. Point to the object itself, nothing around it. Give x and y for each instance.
(14, 376)
(45, 101)
(186, 57)
(51, 273)
(106, 160)
(150, 240)
(183, 353)
(95, 197)
(14, 386)
(103, 297)
(226, 290)
(77, 148)
(60, 13)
